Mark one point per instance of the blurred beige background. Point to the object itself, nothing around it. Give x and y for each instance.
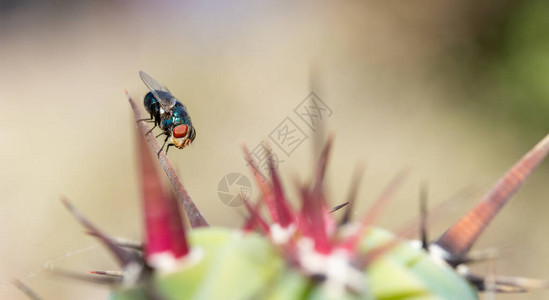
(389, 71)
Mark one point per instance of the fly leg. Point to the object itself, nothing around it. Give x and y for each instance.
(165, 140)
(168, 148)
(150, 130)
(163, 132)
(149, 120)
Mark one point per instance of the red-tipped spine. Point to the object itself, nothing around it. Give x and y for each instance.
(264, 187)
(255, 221)
(163, 227)
(461, 237)
(312, 220)
(375, 210)
(123, 256)
(283, 211)
(180, 246)
(259, 179)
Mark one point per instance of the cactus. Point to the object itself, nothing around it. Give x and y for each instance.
(296, 253)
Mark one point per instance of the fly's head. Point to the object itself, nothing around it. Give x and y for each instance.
(183, 135)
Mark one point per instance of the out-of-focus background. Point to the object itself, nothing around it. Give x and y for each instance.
(455, 90)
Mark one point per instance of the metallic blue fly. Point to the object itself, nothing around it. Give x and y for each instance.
(167, 113)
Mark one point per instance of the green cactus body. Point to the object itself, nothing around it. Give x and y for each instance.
(237, 265)
(406, 272)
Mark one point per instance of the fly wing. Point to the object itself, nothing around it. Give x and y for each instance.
(160, 92)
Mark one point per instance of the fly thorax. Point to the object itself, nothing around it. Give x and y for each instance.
(177, 120)
(166, 124)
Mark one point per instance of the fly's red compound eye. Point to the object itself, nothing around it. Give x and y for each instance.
(180, 131)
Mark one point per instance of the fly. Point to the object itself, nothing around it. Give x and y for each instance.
(167, 113)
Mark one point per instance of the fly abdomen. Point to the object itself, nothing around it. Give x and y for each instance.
(153, 107)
